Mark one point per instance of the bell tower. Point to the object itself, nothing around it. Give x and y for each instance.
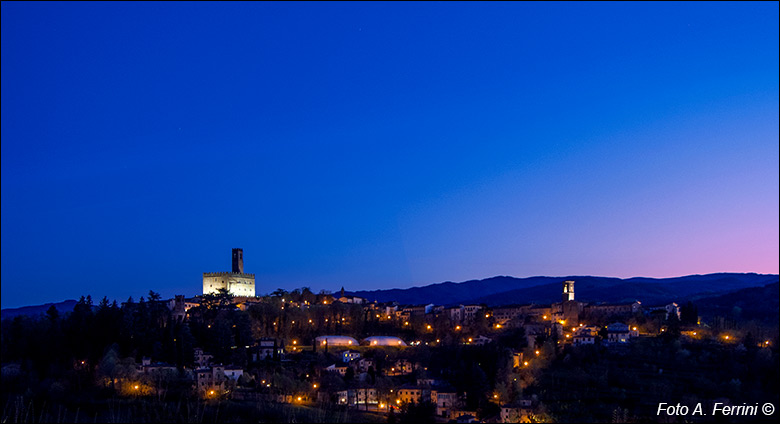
(568, 290)
(238, 261)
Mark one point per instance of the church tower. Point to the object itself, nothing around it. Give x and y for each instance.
(568, 290)
(238, 261)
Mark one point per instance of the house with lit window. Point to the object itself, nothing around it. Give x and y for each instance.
(585, 335)
(412, 393)
(349, 355)
(210, 381)
(400, 367)
(358, 397)
(618, 333)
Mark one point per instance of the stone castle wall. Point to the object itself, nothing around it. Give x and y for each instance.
(237, 284)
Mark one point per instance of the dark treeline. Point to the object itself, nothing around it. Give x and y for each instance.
(51, 345)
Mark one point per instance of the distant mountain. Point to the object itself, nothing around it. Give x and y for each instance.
(62, 307)
(450, 293)
(499, 291)
(710, 290)
(754, 303)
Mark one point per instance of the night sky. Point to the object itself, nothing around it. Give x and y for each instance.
(383, 145)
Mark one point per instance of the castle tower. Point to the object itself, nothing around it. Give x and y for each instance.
(568, 290)
(238, 261)
(236, 281)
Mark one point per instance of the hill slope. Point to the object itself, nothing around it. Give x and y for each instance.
(498, 291)
(754, 303)
(62, 307)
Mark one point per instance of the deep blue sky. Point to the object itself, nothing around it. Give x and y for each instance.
(383, 145)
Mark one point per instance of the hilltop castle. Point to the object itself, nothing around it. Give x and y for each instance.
(236, 282)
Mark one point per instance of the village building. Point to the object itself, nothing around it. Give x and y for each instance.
(470, 312)
(446, 399)
(210, 381)
(349, 355)
(585, 335)
(400, 367)
(341, 370)
(202, 359)
(267, 348)
(358, 396)
(233, 372)
(618, 333)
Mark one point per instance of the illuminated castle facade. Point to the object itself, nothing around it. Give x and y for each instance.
(236, 282)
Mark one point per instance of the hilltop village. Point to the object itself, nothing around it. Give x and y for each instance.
(350, 351)
(332, 351)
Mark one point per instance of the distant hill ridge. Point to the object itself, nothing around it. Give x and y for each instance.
(62, 307)
(504, 290)
(712, 289)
